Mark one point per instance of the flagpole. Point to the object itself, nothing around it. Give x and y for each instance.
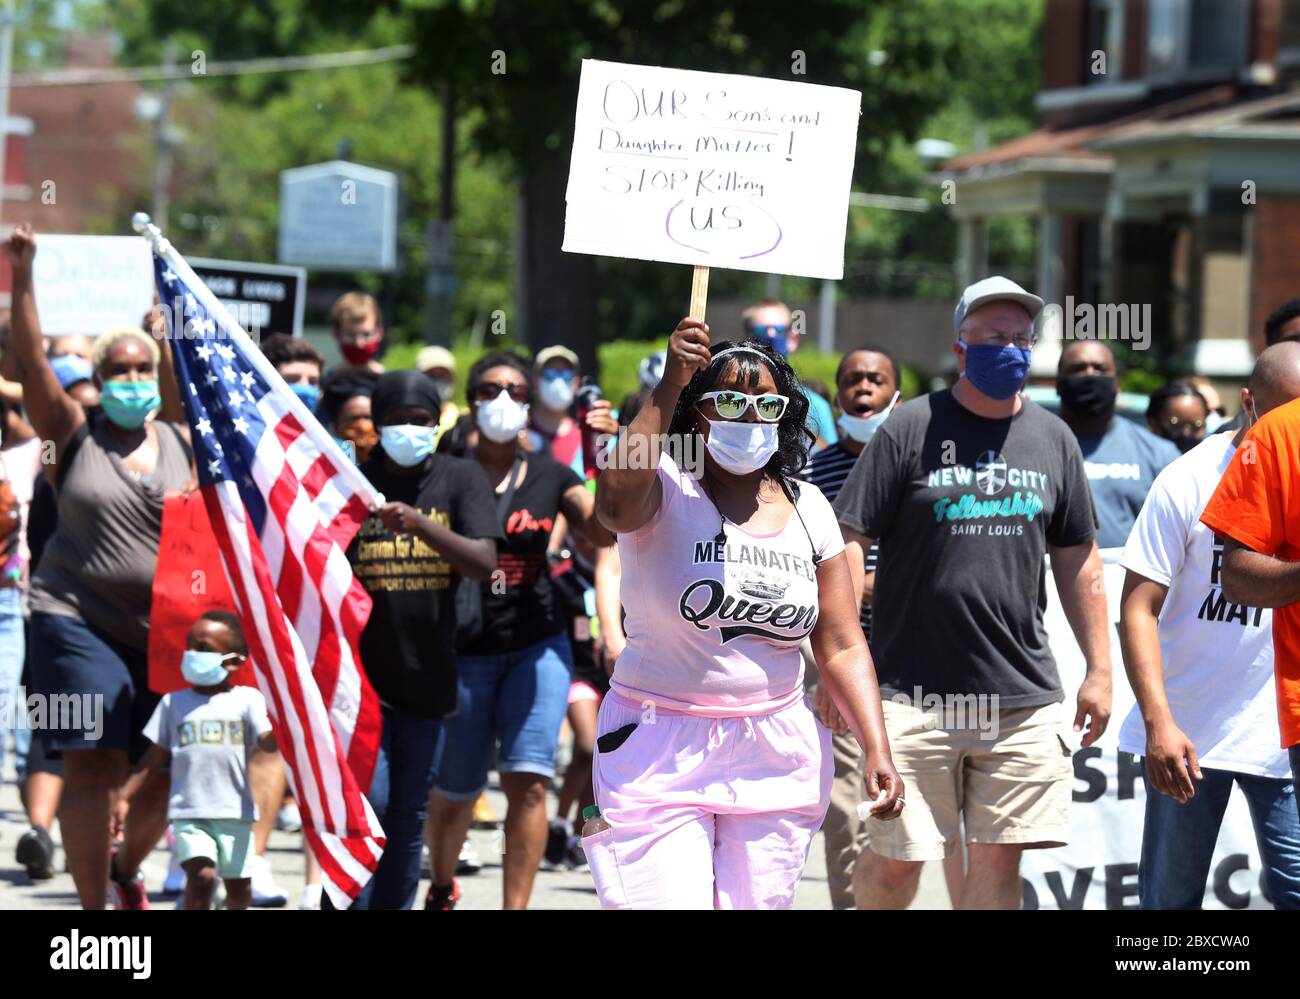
(163, 248)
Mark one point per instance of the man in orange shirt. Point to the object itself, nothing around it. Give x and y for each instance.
(1257, 509)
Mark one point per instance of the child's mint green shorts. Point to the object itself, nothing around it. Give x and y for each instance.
(228, 843)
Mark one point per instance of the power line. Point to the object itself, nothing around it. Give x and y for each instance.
(236, 67)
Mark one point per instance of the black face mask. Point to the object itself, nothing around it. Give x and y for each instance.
(1088, 395)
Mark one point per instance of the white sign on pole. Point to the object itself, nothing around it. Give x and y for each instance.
(91, 284)
(1099, 869)
(711, 169)
(339, 216)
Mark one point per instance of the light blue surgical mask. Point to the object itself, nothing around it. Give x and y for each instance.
(408, 444)
(128, 403)
(204, 669)
(862, 428)
(307, 392)
(742, 448)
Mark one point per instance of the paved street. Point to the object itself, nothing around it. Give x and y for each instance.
(553, 890)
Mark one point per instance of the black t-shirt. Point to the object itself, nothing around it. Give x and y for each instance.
(964, 509)
(408, 646)
(520, 603)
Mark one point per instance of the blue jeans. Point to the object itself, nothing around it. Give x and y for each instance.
(399, 794)
(1294, 753)
(13, 643)
(518, 697)
(1178, 840)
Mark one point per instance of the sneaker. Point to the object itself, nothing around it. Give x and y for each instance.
(557, 842)
(126, 893)
(266, 893)
(484, 817)
(468, 862)
(36, 853)
(174, 883)
(289, 819)
(443, 897)
(310, 897)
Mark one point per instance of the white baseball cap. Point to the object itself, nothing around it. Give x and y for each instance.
(994, 289)
(435, 357)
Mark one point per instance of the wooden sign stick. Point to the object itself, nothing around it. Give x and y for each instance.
(699, 292)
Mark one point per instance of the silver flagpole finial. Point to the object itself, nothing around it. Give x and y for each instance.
(142, 224)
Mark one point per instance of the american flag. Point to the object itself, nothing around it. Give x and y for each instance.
(284, 507)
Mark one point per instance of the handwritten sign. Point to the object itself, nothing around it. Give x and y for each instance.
(92, 284)
(704, 168)
(189, 581)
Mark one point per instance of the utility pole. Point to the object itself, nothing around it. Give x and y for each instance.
(7, 19)
(162, 145)
(440, 282)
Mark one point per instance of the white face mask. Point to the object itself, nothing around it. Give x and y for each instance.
(860, 428)
(742, 448)
(556, 393)
(501, 419)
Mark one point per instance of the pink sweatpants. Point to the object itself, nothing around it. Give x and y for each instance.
(706, 813)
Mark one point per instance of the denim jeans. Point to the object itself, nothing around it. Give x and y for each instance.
(1178, 840)
(399, 794)
(1294, 753)
(13, 644)
(517, 698)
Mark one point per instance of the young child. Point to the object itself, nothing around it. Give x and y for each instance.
(209, 733)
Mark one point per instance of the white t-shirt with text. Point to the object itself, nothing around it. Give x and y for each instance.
(1217, 655)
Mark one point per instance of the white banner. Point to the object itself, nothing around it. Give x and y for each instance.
(729, 171)
(1098, 870)
(91, 284)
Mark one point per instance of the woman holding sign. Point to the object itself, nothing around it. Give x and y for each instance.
(711, 772)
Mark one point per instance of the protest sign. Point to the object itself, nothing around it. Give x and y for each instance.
(711, 169)
(189, 581)
(263, 298)
(91, 284)
(1098, 870)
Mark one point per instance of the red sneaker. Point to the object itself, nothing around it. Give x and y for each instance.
(443, 898)
(127, 893)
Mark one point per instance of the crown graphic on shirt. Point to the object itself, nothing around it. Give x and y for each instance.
(762, 586)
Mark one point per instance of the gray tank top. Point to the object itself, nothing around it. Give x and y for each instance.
(99, 565)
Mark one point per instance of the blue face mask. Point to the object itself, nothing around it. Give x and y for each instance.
(408, 444)
(308, 393)
(204, 669)
(127, 403)
(995, 370)
(780, 342)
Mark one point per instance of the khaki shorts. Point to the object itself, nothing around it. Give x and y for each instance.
(1013, 788)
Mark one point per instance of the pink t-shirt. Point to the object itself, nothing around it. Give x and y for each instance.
(715, 629)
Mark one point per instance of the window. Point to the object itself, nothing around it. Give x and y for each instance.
(1191, 40)
(1218, 33)
(1104, 55)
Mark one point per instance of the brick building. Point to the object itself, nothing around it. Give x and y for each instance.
(77, 155)
(1165, 170)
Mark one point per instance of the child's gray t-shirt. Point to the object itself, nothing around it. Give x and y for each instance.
(211, 738)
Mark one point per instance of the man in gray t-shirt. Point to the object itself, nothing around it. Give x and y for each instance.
(966, 491)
